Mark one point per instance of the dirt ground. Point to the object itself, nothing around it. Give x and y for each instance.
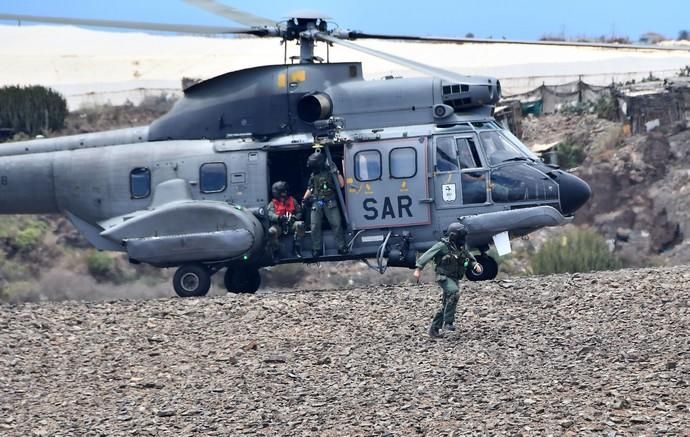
(568, 354)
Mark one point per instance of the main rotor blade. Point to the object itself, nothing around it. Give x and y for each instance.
(232, 14)
(417, 66)
(160, 27)
(363, 35)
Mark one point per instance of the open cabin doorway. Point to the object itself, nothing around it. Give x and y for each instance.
(291, 166)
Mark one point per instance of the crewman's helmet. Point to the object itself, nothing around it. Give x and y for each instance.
(279, 189)
(316, 161)
(456, 233)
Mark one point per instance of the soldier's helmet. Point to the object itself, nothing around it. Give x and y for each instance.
(279, 188)
(457, 232)
(316, 161)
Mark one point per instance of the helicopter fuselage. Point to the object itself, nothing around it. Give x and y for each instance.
(192, 188)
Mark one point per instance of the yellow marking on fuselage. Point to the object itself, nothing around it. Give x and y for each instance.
(298, 76)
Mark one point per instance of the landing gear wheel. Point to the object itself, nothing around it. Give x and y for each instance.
(242, 281)
(490, 271)
(192, 280)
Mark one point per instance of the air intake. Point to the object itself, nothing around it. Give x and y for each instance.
(465, 96)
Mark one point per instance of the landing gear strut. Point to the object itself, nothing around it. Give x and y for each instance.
(242, 281)
(192, 280)
(490, 267)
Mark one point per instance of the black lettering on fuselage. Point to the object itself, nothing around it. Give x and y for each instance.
(404, 203)
(388, 211)
(369, 205)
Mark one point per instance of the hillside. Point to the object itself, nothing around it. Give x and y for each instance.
(603, 353)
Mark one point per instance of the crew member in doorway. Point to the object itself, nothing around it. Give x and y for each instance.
(322, 193)
(285, 217)
(451, 258)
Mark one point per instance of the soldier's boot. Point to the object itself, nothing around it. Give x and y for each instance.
(297, 248)
(434, 332)
(449, 328)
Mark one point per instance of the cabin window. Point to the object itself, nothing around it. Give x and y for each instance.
(403, 163)
(446, 155)
(213, 177)
(368, 165)
(140, 182)
(467, 153)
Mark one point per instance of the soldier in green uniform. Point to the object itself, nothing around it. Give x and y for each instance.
(322, 193)
(451, 259)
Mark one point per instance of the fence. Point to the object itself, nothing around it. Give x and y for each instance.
(548, 99)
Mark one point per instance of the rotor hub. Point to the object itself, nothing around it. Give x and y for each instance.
(304, 28)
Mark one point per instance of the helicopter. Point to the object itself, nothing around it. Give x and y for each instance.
(190, 190)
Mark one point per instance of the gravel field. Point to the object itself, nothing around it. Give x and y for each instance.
(568, 354)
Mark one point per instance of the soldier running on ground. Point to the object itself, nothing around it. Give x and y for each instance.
(322, 193)
(451, 259)
(285, 217)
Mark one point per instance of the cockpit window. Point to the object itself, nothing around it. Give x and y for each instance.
(519, 144)
(483, 125)
(467, 153)
(446, 155)
(516, 183)
(499, 149)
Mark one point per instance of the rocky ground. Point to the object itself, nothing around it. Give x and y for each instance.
(567, 354)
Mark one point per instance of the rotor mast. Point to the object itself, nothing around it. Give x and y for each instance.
(305, 30)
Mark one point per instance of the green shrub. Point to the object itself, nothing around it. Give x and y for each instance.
(101, 266)
(580, 250)
(570, 154)
(607, 108)
(32, 109)
(28, 239)
(21, 234)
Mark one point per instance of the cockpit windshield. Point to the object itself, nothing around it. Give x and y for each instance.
(520, 145)
(499, 148)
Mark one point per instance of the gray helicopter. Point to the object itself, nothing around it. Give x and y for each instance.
(191, 189)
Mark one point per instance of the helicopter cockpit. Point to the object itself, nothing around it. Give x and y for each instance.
(495, 167)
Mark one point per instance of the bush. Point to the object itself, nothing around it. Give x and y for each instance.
(101, 266)
(28, 238)
(32, 109)
(580, 250)
(570, 154)
(21, 235)
(607, 108)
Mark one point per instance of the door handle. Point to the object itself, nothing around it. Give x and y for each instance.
(427, 200)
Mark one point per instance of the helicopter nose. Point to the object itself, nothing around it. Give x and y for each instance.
(574, 193)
